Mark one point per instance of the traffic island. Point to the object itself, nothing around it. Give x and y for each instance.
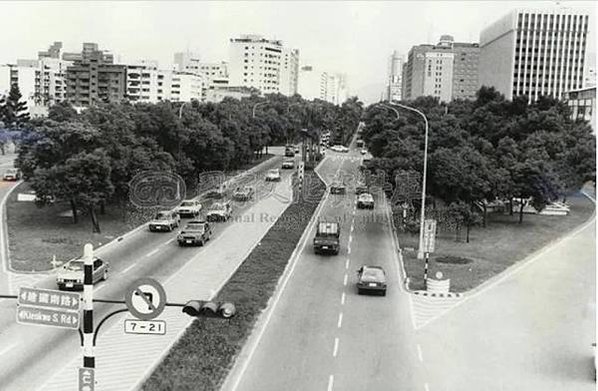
(491, 250)
(202, 357)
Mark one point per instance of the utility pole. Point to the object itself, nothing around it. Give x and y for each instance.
(88, 355)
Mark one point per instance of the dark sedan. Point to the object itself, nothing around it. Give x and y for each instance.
(371, 279)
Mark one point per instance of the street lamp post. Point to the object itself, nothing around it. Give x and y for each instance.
(178, 186)
(255, 106)
(420, 251)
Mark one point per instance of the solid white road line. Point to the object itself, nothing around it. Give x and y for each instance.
(129, 268)
(419, 353)
(335, 350)
(7, 349)
(330, 383)
(345, 280)
(426, 387)
(152, 252)
(339, 324)
(170, 240)
(343, 298)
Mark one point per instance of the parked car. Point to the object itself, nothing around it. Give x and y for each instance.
(327, 238)
(288, 163)
(165, 220)
(243, 193)
(337, 187)
(12, 174)
(273, 175)
(365, 201)
(220, 211)
(70, 275)
(189, 208)
(361, 188)
(195, 233)
(296, 149)
(371, 279)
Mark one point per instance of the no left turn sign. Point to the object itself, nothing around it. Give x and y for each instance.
(145, 298)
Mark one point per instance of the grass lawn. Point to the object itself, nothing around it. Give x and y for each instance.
(492, 249)
(36, 234)
(193, 365)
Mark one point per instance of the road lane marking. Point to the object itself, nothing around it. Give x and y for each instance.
(169, 241)
(7, 349)
(349, 249)
(347, 263)
(335, 351)
(129, 268)
(345, 280)
(352, 226)
(339, 324)
(426, 387)
(152, 252)
(330, 382)
(419, 353)
(343, 298)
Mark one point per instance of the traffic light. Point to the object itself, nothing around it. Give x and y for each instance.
(210, 309)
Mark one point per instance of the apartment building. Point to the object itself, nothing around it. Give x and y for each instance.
(394, 84)
(535, 52)
(324, 85)
(151, 85)
(261, 63)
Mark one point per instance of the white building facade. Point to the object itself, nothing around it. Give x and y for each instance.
(317, 84)
(438, 75)
(535, 52)
(149, 85)
(394, 84)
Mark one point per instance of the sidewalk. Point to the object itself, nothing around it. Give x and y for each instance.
(124, 361)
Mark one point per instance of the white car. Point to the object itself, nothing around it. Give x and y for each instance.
(340, 148)
(364, 151)
(189, 208)
(70, 276)
(165, 220)
(273, 175)
(220, 211)
(365, 201)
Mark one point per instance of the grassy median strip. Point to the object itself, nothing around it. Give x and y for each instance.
(201, 359)
(37, 234)
(491, 250)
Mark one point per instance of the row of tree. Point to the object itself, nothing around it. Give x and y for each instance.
(89, 158)
(483, 150)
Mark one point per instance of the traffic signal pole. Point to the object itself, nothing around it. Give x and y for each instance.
(88, 355)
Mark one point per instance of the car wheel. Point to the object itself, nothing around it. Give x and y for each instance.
(201, 243)
(359, 291)
(383, 293)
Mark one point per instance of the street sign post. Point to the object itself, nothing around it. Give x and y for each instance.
(86, 379)
(47, 307)
(429, 243)
(145, 298)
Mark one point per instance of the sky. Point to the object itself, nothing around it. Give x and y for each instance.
(350, 37)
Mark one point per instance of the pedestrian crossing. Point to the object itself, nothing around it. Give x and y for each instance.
(426, 309)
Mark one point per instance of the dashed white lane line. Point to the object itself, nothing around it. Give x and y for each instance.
(352, 227)
(345, 280)
(339, 324)
(335, 350)
(349, 249)
(343, 298)
(128, 268)
(347, 263)
(426, 387)
(7, 349)
(169, 241)
(419, 353)
(330, 382)
(152, 252)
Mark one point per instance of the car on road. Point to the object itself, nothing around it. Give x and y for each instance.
(296, 149)
(165, 221)
(365, 201)
(289, 151)
(327, 239)
(70, 275)
(273, 175)
(189, 208)
(216, 193)
(371, 279)
(364, 151)
(366, 159)
(339, 148)
(244, 193)
(220, 211)
(359, 143)
(196, 232)
(337, 187)
(12, 174)
(288, 163)
(361, 188)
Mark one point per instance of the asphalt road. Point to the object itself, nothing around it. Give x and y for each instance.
(532, 330)
(323, 336)
(33, 352)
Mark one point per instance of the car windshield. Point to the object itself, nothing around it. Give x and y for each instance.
(74, 266)
(195, 227)
(11, 171)
(373, 273)
(218, 206)
(161, 216)
(275, 172)
(187, 203)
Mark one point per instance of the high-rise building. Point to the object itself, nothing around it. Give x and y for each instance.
(394, 85)
(52, 52)
(535, 52)
(317, 84)
(260, 63)
(447, 70)
(95, 79)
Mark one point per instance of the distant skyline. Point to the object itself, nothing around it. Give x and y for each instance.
(355, 38)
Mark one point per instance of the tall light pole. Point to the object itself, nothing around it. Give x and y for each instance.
(255, 106)
(420, 251)
(179, 131)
